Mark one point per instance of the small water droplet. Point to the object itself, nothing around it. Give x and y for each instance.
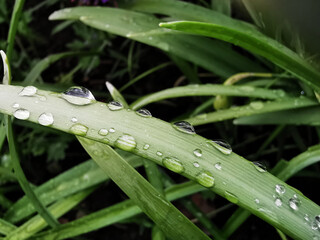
(317, 220)
(306, 217)
(74, 120)
(107, 25)
(144, 113)
(294, 203)
(28, 91)
(22, 114)
(114, 106)
(278, 202)
(79, 129)
(206, 179)
(222, 146)
(314, 226)
(126, 142)
(197, 152)
(173, 164)
(280, 189)
(78, 96)
(103, 132)
(112, 130)
(257, 201)
(184, 127)
(16, 105)
(46, 119)
(146, 146)
(218, 166)
(196, 164)
(159, 154)
(260, 166)
(231, 197)
(257, 105)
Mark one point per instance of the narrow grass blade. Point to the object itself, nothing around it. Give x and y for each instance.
(254, 108)
(255, 42)
(302, 116)
(116, 95)
(209, 90)
(6, 227)
(153, 204)
(113, 214)
(238, 180)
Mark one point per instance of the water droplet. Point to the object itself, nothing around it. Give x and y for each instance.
(173, 164)
(114, 106)
(280, 189)
(46, 119)
(146, 146)
(196, 164)
(144, 113)
(257, 201)
(222, 146)
(317, 220)
(103, 132)
(159, 153)
(16, 105)
(278, 202)
(294, 203)
(314, 225)
(28, 91)
(306, 217)
(112, 130)
(218, 166)
(22, 114)
(78, 96)
(79, 129)
(184, 127)
(206, 179)
(197, 153)
(260, 166)
(256, 105)
(126, 142)
(231, 197)
(74, 120)
(107, 25)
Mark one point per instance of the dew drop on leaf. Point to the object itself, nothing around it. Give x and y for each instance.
(28, 91)
(103, 132)
(184, 127)
(259, 166)
(16, 105)
(46, 119)
(112, 130)
(196, 164)
(159, 153)
(21, 114)
(205, 178)
(280, 189)
(231, 197)
(74, 120)
(294, 203)
(173, 164)
(197, 152)
(114, 106)
(78, 96)
(222, 146)
(144, 113)
(146, 146)
(218, 166)
(278, 202)
(79, 129)
(126, 142)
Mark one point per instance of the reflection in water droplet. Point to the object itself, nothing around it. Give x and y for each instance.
(184, 127)
(278, 202)
(126, 142)
(114, 106)
(173, 164)
(78, 96)
(144, 113)
(112, 130)
(294, 203)
(206, 179)
(256, 105)
(46, 119)
(28, 91)
(103, 132)
(222, 146)
(218, 166)
(197, 153)
(196, 164)
(314, 226)
(79, 129)
(146, 146)
(159, 153)
(22, 114)
(306, 217)
(16, 105)
(231, 197)
(74, 120)
(260, 166)
(317, 220)
(280, 189)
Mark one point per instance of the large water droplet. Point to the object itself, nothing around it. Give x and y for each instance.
(146, 146)
(46, 119)
(144, 113)
(22, 114)
(206, 179)
(79, 129)
(294, 203)
(28, 91)
(218, 166)
(231, 197)
(103, 132)
(260, 166)
(256, 105)
(173, 164)
(184, 127)
(78, 96)
(197, 153)
(280, 189)
(126, 142)
(278, 202)
(222, 146)
(114, 106)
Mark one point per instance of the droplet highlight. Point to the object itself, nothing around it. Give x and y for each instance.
(28, 91)
(222, 146)
(218, 166)
(78, 96)
(206, 179)
(146, 146)
(280, 189)
(173, 164)
(278, 202)
(46, 119)
(103, 132)
(16, 105)
(79, 129)
(197, 153)
(260, 166)
(294, 203)
(184, 127)
(231, 197)
(126, 142)
(144, 113)
(21, 114)
(115, 106)
(196, 164)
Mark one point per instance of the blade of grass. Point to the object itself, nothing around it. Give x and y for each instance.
(116, 95)
(255, 42)
(6, 227)
(208, 90)
(238, 176)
